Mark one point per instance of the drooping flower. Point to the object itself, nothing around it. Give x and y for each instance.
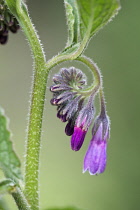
(95, 158)
(77, 138)
(82, 124)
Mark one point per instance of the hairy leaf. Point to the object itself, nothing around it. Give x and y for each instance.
(12, 5)
(9, 161)
(70, 50)
(72, 22)
(70, 19)
(94, 14)
(85, 18)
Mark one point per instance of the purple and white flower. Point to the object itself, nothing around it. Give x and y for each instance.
(95, 158)
(82, 124)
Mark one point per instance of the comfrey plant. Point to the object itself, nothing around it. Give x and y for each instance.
(72, 96)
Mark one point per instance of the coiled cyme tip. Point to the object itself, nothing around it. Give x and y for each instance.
(71, 105)
(66, 97)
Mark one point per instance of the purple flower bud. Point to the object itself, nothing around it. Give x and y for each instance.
(72, 107)
(95, 158)
(61, 116)
(69, 129)
(66, 75)
(59, 87)
(5, 30)
(77, 138)
(54, 101)
(65, 96)
(3, 39)
(72, 77)
(82, 124)
(85, 117)
(58, 79)
(102, 119)
(79, 76)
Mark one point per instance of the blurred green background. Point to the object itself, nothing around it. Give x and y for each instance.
(116, 50)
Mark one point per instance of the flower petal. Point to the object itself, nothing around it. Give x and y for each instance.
(95, 158)
(103, 156)
(77, 138)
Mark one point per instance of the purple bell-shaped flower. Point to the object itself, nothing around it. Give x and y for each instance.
(82, 124)
(95, 158)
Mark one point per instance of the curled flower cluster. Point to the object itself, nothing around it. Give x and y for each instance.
(76, 108)
(7, 23)
(66, 96)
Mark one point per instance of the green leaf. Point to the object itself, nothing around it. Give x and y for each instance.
(15, 5)
(94, 14)
(72, 22)
(70, 50)
(85, 18)
(70, 19)
(7, 186)
(12, 5)
(9, 161)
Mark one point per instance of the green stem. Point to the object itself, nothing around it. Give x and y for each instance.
(96, 73)
(36, 111)
(20, 200)
(102, 102)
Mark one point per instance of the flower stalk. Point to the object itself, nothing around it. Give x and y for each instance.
(102, 101)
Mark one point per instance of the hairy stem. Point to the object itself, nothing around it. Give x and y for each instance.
(20, 200)
(36, 110)
(92, 90)
(102, 102)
